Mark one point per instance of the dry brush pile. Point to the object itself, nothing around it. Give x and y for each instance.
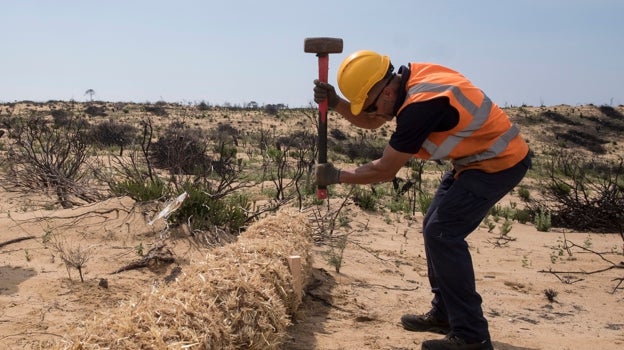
(240, 296)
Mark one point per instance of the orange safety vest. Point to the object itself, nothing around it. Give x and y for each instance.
(484, 138)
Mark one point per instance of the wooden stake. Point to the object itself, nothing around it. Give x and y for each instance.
(294, 262)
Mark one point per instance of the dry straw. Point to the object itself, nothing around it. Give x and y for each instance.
(239, 297)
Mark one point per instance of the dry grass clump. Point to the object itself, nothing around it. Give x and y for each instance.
(240, 296)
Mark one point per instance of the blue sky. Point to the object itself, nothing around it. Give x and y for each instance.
(519, 52)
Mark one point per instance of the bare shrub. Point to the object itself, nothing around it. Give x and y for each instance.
(181, 150)
(96, 111)
(615, 124)
(338, 134)
(611, 112)
(61, 117)
(134, 175)
(73, 256)
(287, 161)
(583, 195)
(113, 133)
(225, 132)
(362, 150)
(558, 118)
(589, 142)
(157, 110)
(50, 157)
(203, 106)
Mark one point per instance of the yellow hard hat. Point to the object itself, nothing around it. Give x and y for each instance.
(358, 73)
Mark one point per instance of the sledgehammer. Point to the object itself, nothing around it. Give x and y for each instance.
(322, 47)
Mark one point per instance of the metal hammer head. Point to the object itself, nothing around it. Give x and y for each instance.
(322, 45)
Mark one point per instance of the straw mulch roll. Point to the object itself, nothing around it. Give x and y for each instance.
(239, 297)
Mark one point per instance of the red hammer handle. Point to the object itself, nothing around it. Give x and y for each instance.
(322, 47)
(323, 65)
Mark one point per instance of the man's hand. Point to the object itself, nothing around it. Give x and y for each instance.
(325, 91)
(327, 174)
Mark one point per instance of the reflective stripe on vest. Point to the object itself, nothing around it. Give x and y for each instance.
(480, 116)
(499, 146)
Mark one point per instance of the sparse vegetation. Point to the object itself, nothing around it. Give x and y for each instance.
(73, 255)
(365, 198)
(580, 194)
(543, 221)
(550, 294)
(239, 169)
(44, 156)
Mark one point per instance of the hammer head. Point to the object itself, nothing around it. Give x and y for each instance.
(322, 45)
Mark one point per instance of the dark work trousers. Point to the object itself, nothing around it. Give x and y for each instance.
(457, 209)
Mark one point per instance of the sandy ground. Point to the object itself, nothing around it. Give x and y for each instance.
(383, 275)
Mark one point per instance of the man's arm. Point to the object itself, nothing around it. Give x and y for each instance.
(379, 170)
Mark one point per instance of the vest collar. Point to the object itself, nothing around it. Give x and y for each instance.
(404, 72)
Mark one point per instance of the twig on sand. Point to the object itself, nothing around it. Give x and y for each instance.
(158, 254)
(15, 240)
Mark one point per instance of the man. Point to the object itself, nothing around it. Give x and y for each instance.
(440, 115)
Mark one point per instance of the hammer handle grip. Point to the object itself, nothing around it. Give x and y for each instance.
(323, 65)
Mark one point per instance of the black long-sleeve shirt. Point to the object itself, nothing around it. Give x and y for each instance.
(417, 120)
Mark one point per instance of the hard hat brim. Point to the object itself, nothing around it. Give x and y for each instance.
(356, 108)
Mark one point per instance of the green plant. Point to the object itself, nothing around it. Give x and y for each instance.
(205, 210)
(489, 224)
(561, 189)
(335, 252)
(588, 242)
(543, 221)
(47, 235)
(327, 225)
(505, 228)
(365, 199)
(523, 216)
(524, 193)
(560, 250)
(506, 212)
(525, 261)
(140, 190)
(503, 237)
(344, 220)
(399, 204)
(139, 249)
(424, 201)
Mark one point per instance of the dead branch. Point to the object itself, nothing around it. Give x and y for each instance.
(567, 278)
(80, 216)
(584, 195)
(617, 286)
(273, 206)
(501, 241)
(366, 285)
(322, 231)
(158, 254)
(15, 240)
